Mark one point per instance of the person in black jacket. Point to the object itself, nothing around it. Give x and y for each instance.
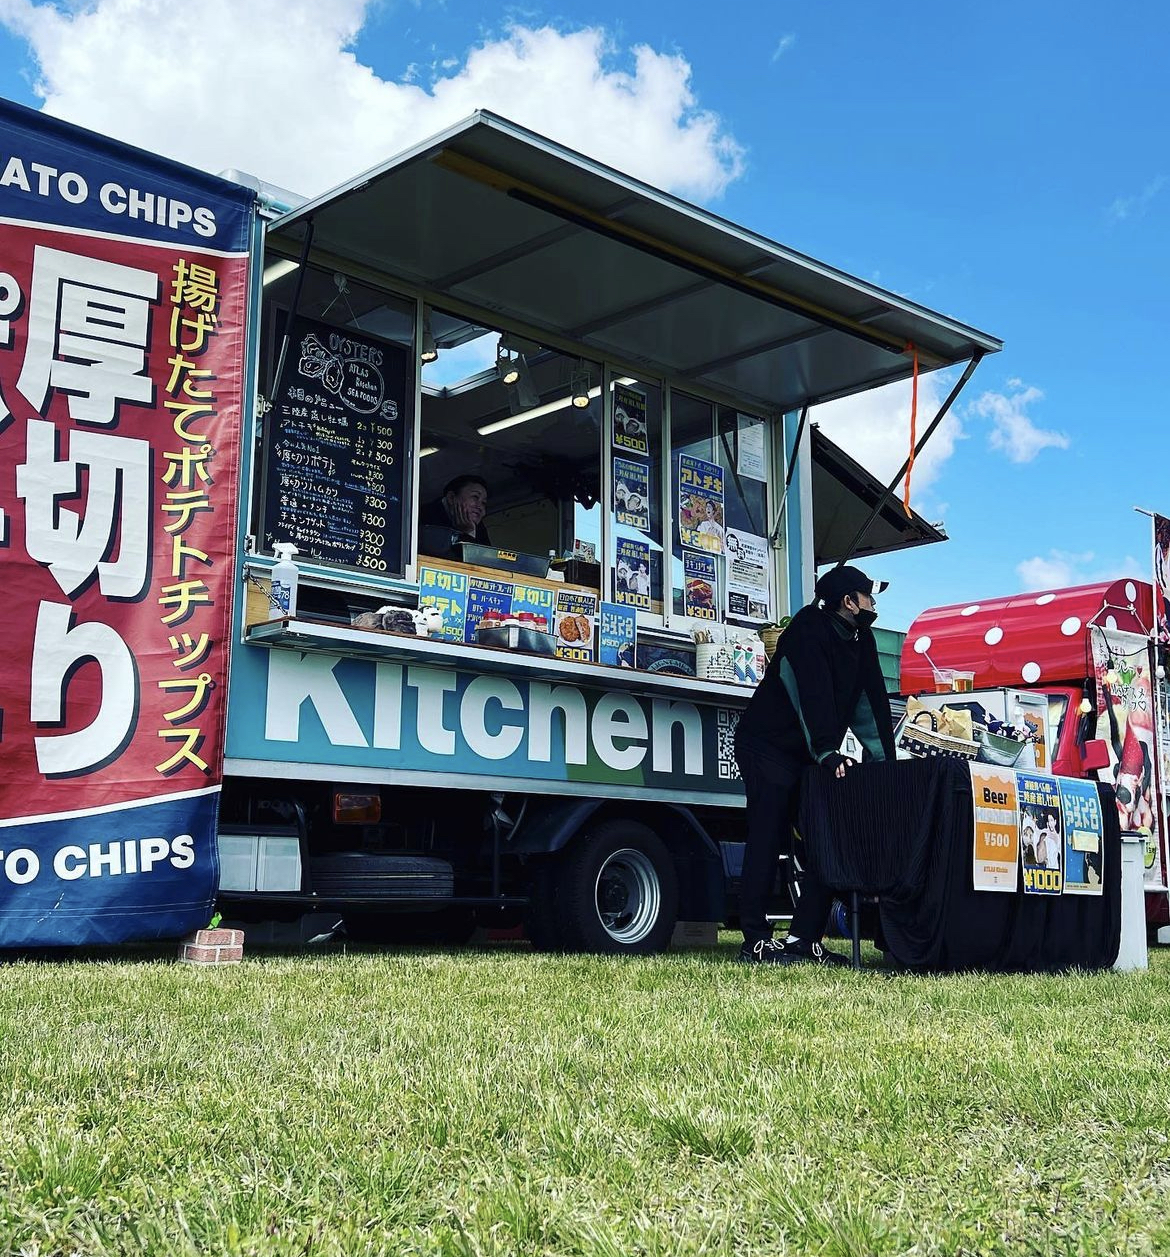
(823, 679)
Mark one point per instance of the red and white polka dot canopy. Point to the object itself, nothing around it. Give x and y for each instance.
(1027, 639)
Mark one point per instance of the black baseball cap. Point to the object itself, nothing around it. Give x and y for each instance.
(839, 582)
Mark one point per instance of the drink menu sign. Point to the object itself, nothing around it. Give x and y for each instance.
(336, 451)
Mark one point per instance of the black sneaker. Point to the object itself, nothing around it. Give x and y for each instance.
(771, 951)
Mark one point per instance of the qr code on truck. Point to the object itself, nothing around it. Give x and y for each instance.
(725, 725)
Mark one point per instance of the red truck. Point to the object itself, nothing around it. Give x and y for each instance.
(1090, 650)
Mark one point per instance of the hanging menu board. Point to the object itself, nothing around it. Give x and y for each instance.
(336, 458)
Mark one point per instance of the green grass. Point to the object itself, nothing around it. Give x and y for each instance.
(499, 1102)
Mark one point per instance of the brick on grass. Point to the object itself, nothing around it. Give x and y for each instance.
(212, 947)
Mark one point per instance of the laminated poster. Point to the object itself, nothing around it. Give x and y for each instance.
(1084, 834)
(629, 420)
(446, 591)
(631, 584)
(631, 493)
(534, 598)
(484, 596)
(700, 504)
(1041, 842)
(749, 461)
(997, 835)
(575, 616)
(463, 600)
(616, 632)
(699, 586)
(747, 575)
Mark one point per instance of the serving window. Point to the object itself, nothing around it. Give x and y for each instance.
(720, 554)
(532, 483)
(524, 419)
(743, 450)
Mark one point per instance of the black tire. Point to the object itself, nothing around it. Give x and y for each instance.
(614, 891)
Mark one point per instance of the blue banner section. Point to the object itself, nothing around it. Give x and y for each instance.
(59, 175)
(139, 873)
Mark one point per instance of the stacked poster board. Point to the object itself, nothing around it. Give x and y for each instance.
(1043, 832)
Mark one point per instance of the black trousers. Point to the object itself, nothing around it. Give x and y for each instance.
(773, 795)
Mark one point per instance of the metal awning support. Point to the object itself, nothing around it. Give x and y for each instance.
(889, 490)
(774, 535)
(293, 308)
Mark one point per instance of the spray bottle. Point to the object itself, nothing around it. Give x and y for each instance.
(282, 600)
(757, 661)
(739, 655)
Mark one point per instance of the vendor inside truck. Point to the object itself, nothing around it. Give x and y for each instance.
(526, 421)
(459, 514)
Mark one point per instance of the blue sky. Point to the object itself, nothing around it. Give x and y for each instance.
(1007, 165)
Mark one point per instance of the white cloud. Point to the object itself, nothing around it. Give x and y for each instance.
(874, 428)
(1059, 568)
(1135, 206)
(1053, 570)
(273, 87)
(786, 42)
(1012, 430)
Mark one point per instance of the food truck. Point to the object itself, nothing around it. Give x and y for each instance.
(239, 672)
(1067, 681)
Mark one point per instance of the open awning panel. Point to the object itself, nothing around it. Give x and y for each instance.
(498, 217)
(844, 494)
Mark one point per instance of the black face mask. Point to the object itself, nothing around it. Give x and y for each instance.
(864, 617)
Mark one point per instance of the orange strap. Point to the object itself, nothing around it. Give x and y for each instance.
(913, 349)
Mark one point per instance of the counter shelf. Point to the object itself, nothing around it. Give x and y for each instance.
(302, 633)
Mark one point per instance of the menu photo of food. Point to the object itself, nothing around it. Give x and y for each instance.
(629, 420)
(699, 586)
(632, 573)
(700, 504)
(573, 625)
(631, 493)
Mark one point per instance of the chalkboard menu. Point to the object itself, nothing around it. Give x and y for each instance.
(335, 449)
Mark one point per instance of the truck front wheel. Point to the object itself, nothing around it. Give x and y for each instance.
(613, 891)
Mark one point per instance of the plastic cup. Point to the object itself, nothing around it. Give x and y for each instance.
(943, 680)
(962, 682)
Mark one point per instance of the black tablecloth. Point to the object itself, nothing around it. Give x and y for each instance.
(904, 831)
